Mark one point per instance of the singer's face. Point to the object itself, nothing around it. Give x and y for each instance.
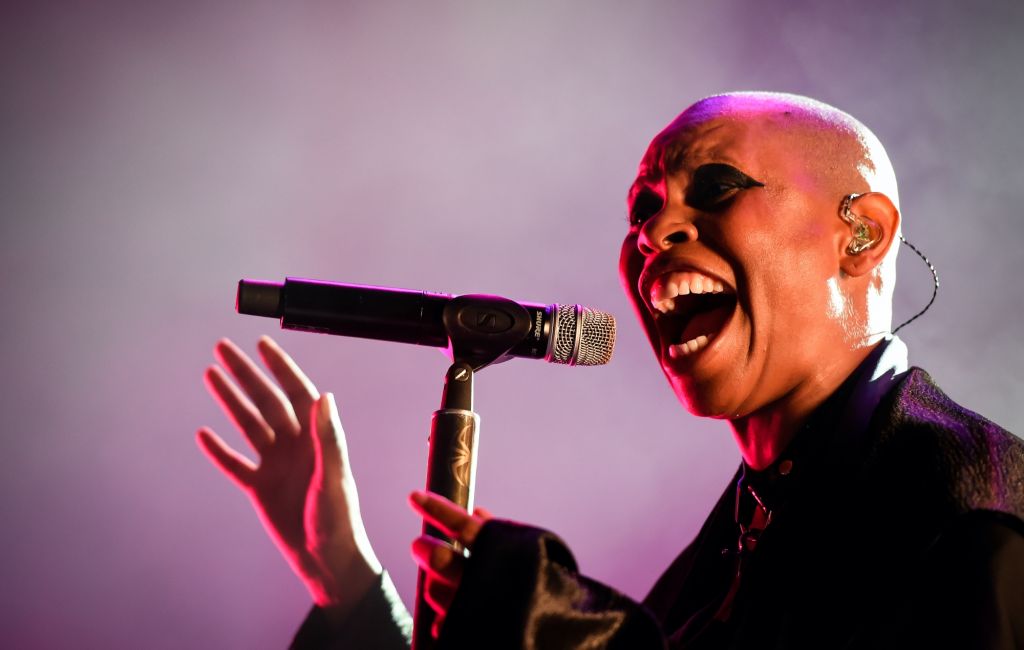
(732, 243)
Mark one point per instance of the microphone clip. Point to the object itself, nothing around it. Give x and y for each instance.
(482, 329)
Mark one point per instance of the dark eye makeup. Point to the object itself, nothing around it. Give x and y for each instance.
(714, 184)
(711, 188)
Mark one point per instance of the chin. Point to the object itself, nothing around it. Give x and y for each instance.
(705, 400)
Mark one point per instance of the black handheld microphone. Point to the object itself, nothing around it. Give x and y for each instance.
(568, 334)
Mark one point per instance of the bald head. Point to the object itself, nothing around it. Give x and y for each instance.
(845, 153)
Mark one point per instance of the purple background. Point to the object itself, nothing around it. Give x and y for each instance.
(153, 153)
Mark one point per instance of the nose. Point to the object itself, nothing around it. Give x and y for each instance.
(665, 230)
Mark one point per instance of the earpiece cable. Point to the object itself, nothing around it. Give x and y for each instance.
(935, 289)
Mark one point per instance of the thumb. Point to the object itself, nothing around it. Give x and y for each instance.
(331, 452)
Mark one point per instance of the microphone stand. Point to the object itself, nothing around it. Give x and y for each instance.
(476, 339)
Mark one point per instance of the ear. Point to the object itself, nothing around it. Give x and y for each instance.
(876, 222)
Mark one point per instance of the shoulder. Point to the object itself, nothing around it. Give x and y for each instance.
(918, 401)
(927, 437)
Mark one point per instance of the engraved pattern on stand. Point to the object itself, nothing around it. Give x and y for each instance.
(463, 461)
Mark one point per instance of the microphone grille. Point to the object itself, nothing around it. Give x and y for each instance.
(582, 336)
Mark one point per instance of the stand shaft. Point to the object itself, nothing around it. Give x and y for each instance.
(451, 473)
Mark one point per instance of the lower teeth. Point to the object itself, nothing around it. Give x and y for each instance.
(689, 347)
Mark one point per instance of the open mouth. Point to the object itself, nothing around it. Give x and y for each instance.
(690, 309)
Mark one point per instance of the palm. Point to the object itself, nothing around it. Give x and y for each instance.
(281, 486)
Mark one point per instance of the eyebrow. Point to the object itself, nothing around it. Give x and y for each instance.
(673, 157)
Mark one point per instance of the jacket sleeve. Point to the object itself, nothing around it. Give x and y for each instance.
(379, 622)
(521, 589)
(970, 591)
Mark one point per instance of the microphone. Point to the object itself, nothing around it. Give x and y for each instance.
(493, 326)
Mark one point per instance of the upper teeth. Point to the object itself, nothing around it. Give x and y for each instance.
(681, 283)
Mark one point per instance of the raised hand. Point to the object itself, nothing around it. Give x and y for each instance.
(441, 562)
(302, 487)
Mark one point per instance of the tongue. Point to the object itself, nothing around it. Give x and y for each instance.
(707, 323)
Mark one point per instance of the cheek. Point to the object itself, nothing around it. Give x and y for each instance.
(787, 253)
(631, 263)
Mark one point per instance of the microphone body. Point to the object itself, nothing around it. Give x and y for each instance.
(568, 334)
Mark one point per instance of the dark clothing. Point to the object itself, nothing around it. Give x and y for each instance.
(896, 521)
(379, 622)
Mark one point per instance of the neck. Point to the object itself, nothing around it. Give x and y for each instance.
(764, 434)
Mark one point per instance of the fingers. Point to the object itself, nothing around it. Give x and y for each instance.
(265, 395)
(442, 567)
(440, 595)
(238, 468)
(442, 563)
(296, 385)
(329, 441)
(238, 407)
(482, 513)
(445, 515)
